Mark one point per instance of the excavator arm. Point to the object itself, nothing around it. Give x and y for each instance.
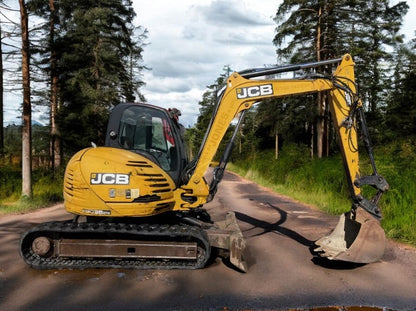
(241, 93)
(358, 236)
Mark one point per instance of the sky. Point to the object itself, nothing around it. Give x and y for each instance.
(189, 43)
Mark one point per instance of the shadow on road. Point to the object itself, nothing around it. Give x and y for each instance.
(274, 227)
(279, 229)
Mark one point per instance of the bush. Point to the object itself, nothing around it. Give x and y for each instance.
(47, 189)
(10, 183)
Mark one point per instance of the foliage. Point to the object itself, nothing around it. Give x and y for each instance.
(247, 140)
(94, 51)
(10, 182)
(310, 26)
(398, 164)
(13, 141)
(47, 190)
(375, 26)
(313, 33)
(322, 29)
(289, 117)
(97, 49)
(401, 109)
(190, 140)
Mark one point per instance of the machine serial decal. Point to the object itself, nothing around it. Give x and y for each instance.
(109, 179)
(123, 193)
(96, 212)
(254, 91)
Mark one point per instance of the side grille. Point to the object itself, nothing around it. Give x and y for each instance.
(146, 170)
(139, 164)
(73, 183)
(147, 199)
(69, 182)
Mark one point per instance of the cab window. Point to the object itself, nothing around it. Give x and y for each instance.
(147, 130)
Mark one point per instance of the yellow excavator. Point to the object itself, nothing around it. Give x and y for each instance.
(138, 201)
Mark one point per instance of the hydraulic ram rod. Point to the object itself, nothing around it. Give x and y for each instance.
(259, 72)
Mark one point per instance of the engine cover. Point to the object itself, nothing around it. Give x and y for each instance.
(113, 182)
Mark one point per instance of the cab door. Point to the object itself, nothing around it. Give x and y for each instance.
(149, 131)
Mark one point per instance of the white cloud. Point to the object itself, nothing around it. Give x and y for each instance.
(191, 42)
(220, 13)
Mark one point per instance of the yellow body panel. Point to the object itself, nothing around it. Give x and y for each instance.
(107, 181)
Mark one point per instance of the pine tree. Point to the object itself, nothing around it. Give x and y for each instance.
(373, 26)
(92, 59)
(98, 43)
(320, 29)
(309, 25)
(401, 109)
(311, 28)
(247, 140)
(1, 98)
(45, 59)
(27, 109)
(55, 144)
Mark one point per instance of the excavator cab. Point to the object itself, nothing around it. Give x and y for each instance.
(151, 132)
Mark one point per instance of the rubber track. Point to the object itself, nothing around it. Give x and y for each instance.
(150, 232)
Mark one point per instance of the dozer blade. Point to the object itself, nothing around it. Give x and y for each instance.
(226, 234)
(359, 240)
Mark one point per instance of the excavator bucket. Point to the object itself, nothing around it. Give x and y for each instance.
(226, 235)
(358, 237)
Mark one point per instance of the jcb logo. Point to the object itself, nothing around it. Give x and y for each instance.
(109, 179)
(254, 91)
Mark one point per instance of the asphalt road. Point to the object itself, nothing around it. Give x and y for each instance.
(283, 274)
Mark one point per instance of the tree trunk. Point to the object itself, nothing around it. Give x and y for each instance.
(27, 113)
(55, 140)
(312, 141)
(1, 101)
(327, 125)
(276, 144)
(319, 101)
(320, 125)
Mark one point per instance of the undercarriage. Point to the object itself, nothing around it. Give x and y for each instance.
(131, 244)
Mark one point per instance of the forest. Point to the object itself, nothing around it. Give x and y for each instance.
(81, 58)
